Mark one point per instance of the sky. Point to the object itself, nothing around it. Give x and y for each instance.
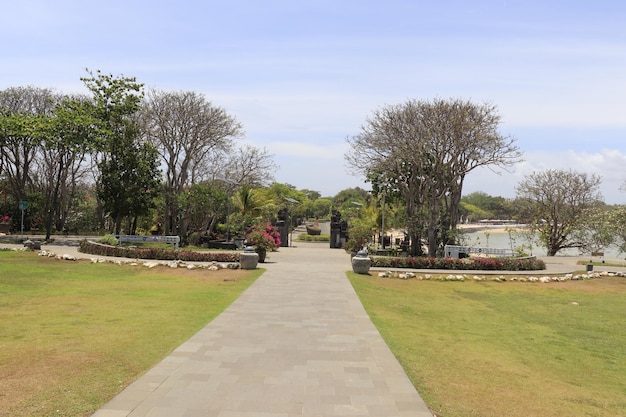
(303, 76)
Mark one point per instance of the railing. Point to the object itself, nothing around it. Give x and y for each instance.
(452, 251)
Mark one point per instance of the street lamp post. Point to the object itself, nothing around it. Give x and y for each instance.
(230, 195)
(356, 203)
(383, 222)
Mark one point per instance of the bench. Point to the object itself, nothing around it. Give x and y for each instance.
(175, 240)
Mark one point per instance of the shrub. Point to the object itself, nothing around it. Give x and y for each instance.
(109, 240)
(359, 235)
(314, 238)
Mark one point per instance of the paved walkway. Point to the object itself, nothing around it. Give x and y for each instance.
(296, 343)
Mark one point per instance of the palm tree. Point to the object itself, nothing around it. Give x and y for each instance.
(250, 207)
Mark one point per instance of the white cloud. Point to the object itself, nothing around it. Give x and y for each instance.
(310, 151)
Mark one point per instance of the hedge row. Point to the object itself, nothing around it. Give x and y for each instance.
(98, 249)
(313, 238)
(475, 264)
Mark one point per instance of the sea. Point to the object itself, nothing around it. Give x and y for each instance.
(501, 239)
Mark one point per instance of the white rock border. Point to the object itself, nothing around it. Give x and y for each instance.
(499, 278)
(212, 266)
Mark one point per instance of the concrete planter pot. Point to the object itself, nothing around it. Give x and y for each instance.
(361, 263)
(262, 252)
(248, 259)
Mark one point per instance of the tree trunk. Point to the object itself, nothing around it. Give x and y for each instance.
(416, 244)
(118, 224)
(133, 229)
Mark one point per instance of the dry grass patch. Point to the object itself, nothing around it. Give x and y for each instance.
(488, 349)
(73, 334)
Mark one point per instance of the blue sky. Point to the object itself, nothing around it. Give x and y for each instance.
(302, 76)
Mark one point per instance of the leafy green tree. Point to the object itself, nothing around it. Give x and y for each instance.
(311, 194)
(129, 173)
(617, 221)
(201, 207)
(279, 196)
(603, 227)
(314, 206)
(472, 213)
(360, 235)
(320, 208)
(251, 206)
(68, 136)
(23, 111)
(129, 183)
(491, 206)
(595, 233)
(344, 198)
(81, 214)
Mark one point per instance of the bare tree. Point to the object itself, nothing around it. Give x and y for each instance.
(557, 202)
(58, 172)
(188, 132)
(250, 166)
(423, 150)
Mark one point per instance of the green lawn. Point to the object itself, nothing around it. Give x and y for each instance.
(73, 334)
(506, 349)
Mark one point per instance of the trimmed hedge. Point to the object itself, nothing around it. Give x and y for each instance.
(314, 238)
(475, 264)
(98, 249)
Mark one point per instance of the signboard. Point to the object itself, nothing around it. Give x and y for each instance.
(23, 205)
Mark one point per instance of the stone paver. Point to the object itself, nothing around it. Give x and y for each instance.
(297, 343)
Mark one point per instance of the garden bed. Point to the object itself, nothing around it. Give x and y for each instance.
(470, 264)
(99, 249)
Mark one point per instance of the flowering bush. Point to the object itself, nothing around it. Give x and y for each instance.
(36, 222)
(476, 264)
(4, 219)
(264, 236)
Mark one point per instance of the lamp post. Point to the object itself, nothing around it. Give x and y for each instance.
(356, 203)
(383, 221)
